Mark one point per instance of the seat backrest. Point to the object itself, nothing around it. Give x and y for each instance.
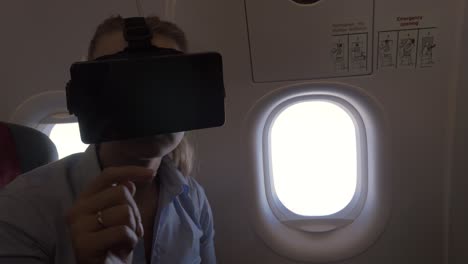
(23, 149)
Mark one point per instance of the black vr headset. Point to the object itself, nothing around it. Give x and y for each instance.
(145, 90)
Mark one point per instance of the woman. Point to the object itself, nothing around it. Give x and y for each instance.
(119, 202)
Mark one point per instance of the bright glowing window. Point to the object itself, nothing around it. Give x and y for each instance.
(313, 158)
(318, 167)
(67, 139)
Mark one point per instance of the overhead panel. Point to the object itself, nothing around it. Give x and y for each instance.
(164, 9)
(309, 39)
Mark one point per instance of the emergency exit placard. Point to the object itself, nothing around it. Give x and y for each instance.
(290, 41)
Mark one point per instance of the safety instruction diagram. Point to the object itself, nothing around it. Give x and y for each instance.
(339, 53)
(349, 53)
(407, 48)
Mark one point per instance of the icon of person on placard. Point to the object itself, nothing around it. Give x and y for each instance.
(427, 51)
(407, 47)
(338, 55)
(385, 52)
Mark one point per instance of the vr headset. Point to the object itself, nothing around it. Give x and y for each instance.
(145, 90)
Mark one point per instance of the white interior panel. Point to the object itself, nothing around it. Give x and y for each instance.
(289, 41)
(161, 8)
(457, 231)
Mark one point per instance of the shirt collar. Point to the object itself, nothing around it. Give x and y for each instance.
(171, 177)
(88, 168)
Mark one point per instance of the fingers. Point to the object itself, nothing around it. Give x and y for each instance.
(111, 193)
(121, 215)
(117, 238)
(118, 196)
(130, 186)
(111, 176)
(108, 198)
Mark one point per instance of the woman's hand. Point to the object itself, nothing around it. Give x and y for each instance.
(105, 222)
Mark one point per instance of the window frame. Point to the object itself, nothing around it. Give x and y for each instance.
(353, 208)
(350, 239)
(43, 111)
(47, 124)
(39, 110)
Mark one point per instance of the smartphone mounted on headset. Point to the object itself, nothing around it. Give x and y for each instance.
(145, 90)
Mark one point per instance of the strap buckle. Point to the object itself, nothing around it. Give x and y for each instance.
(137, 33)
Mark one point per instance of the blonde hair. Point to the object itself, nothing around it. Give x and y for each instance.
(183, 155)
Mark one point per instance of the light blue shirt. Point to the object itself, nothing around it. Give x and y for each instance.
(33, 228)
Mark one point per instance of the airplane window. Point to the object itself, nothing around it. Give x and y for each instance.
(67, 139)
(316, 153)
(313, 158)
